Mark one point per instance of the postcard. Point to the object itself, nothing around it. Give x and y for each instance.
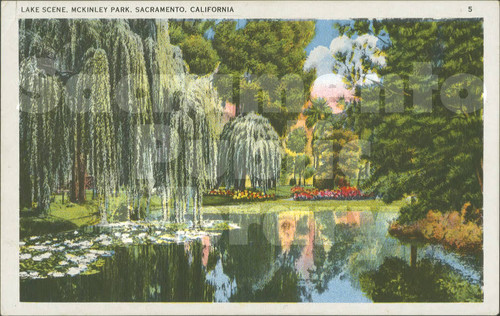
(249, 157)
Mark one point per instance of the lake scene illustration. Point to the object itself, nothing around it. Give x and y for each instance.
(251, 160)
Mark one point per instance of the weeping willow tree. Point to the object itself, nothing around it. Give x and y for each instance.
(113, 100)
(133, 102)
(40, 94)
(250, 147)
(92, 105)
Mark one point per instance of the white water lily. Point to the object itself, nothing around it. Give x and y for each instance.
(39, 248)
(85, 244)
(73, 271)
(25, 256)
(127, 240)
(60, 248)
(106, 242)
(55, 274)
(42, 257)
(89, 257)
(76, 262)
(34, 237)
(71, 257)
(102, 253)
(102, 237)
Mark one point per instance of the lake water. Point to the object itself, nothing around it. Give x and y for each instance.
(292, 256)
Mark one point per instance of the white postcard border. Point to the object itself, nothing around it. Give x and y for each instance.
(488, 10)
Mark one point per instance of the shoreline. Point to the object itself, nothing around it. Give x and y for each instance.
(448, 229)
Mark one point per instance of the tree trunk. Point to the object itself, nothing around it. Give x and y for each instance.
(199, 198)
(137, 207)
(104, 210)
(195, 210)
(81, 189)
(128, 206)
(294, 175)
(148, 204)
(79, 168)
(413, 256)
(359, 176)
(240, 183)
(78, 179)
(479, 176)
(315, 163)
(163, 204)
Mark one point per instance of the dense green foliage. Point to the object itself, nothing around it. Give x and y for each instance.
(196, 49)
(265, 62)
(261, 63)
(332, 146)
(299, 161)
(420, 145)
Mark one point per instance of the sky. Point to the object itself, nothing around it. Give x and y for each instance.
(324, 34)
(328, 86)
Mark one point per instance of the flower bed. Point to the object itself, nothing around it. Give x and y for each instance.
(249, 195)
(344, 193)
(221, 192)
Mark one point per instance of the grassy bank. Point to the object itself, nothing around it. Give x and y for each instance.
(60, 218)
(68, 216)
(280, 205)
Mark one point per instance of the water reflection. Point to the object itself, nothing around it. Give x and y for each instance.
(289, 256)
(427, 281)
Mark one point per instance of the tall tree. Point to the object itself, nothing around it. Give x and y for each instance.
(265, 59)
(249, 147)
(296, 143)
(428, 141)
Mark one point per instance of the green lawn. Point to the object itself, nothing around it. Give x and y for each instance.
(300, 206)
(68, 216)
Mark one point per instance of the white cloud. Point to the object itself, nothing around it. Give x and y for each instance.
(341, 44)
(321, 60)
(330, 71)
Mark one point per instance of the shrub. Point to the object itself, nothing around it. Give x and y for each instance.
(452, 229)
